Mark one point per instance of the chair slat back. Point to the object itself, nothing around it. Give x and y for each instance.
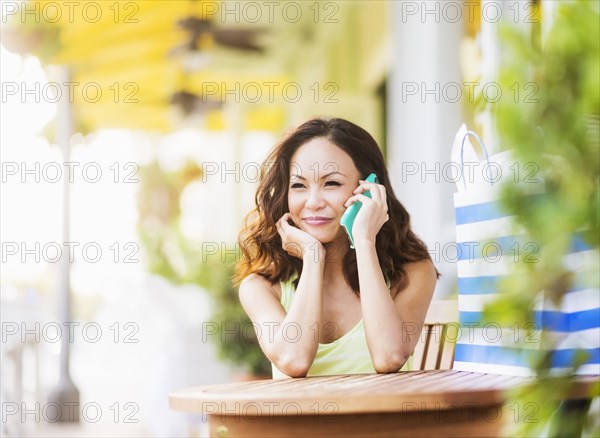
(435, 349)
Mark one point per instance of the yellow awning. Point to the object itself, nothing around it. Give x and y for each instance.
(127, 60)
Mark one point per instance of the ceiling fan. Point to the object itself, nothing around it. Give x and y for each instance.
(199, 29)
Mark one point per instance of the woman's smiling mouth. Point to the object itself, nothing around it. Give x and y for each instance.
(317, 220)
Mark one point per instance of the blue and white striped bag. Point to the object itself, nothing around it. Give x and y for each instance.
(490, 249)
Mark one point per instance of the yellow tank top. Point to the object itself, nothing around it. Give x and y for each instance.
(346, 355)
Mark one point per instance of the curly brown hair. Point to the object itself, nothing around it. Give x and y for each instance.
(260, 243)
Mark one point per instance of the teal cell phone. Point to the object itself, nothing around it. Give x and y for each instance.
(349, 215)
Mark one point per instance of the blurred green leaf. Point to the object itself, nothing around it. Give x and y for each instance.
(556, 131)
(171, 255)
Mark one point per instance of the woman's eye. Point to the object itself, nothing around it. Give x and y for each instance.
(334, 183)
(297, 186)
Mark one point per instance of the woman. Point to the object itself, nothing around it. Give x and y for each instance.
(318, 306)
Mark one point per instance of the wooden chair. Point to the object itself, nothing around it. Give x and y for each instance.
(435, 349)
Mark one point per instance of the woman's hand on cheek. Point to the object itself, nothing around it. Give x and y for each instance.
(296, 242)
(373, 213)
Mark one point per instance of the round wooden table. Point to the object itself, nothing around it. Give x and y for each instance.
(414, 403)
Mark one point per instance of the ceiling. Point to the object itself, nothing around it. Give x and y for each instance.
(158, 65)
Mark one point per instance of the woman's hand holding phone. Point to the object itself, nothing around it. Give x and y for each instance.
(372, 214)
(296, 242)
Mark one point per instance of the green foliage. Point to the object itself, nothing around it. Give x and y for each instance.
(558, 131)
(26, 34)
(234, 331)
(170, 254)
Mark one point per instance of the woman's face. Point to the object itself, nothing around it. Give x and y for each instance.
(322, 178)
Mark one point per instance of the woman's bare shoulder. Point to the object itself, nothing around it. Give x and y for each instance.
(424, 268)
(254, 283)
(421, 277)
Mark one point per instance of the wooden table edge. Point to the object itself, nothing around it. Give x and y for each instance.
(197, 399)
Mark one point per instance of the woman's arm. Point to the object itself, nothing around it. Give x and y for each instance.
(392, 325)
(290, 341)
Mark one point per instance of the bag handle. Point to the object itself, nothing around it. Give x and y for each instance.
(462, 155)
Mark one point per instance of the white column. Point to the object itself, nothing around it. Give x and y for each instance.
(65, 391)
(549, 8)
(422, 125)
